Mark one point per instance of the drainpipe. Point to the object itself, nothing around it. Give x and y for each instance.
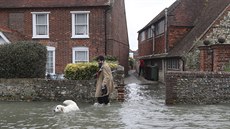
(166, 30)
(106, 11)
(153, 34)
(164, 61)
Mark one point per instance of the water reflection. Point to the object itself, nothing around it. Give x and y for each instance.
(144, 108)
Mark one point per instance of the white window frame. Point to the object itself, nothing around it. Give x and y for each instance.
(35, 35)
(75, 49)
(49, 48)
(74, 13)
(4, 38)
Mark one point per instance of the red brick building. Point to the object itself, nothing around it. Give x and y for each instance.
(173, 33)
(73, 30)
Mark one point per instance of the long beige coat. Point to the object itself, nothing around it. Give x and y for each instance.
(105, 78)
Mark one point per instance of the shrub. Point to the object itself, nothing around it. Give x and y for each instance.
(108, 58)
(22, 60)
(192, 59)
(83, 71)
(131, 62)
(227, 67)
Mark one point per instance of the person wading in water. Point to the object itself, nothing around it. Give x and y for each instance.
(104, 85)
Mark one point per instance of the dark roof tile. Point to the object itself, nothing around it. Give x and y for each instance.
(209, 14)
(51, 3)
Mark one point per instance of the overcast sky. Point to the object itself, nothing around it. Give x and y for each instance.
(139, 13)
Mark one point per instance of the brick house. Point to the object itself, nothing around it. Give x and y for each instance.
(73, 30)
(172, 34)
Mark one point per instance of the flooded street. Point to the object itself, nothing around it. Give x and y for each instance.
(144, 108)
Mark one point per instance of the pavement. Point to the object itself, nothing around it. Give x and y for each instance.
(133, 77)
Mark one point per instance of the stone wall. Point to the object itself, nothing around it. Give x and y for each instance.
(197, 87)
(56, 90)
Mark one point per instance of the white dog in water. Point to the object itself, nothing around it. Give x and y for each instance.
(70, 106)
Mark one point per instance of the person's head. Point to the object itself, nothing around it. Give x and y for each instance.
(100, 60)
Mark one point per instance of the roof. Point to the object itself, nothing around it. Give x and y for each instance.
(161, 15)
(209, 14)
(186, 9)
(51, 3)
(11, 35)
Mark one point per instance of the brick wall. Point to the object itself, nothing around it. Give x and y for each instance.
(197, 87)
(60, 31)
(159, 44)
(145, 47)
(3, 17)
(214, 57)
(117, 33)
(206, 58)
(221, 56)
(107, 31)
(176, 34)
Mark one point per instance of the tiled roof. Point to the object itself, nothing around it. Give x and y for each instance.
(209, 14)
(11, 35)
(51, 3)
(189, 9)
(160, 15)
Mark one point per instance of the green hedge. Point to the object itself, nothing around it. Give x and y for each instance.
(83, 71)
(23, 60)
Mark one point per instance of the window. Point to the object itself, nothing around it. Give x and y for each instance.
(142, 36)
(150, 33)
(3, 39)
(173, 64)
(160, 27)
(80, 54)
(50, 64)
(80, 24)
(40, 24)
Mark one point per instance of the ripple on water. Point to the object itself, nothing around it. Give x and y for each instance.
(143, 108)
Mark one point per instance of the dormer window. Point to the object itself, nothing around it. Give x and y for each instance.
(40, 24)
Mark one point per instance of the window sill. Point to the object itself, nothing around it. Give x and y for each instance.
(40, 37)
(80, 37)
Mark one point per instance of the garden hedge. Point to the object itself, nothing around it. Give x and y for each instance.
(84, 71)
(23, 60)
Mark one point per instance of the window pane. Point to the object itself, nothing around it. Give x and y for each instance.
(173, 64)
(81, 30)
(41, 19)
(81, 19)
(81, 56)
(41, 30)
(142, 36)
(50, 63)
(160, 27)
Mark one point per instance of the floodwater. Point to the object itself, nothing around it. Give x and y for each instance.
(143, 108)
